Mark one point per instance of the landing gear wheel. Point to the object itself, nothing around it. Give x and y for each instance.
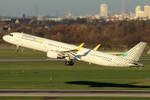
(66, 63)
(70, 63)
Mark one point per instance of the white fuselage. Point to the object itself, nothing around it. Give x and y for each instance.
(87, 55)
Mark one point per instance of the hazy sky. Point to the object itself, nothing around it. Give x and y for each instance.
(61, 7)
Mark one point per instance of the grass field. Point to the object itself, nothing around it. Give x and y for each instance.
(56, 75)
(11, 52)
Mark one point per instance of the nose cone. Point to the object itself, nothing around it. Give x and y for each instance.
(5, 37)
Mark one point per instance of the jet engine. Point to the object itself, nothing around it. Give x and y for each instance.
(55, 55)
(52, 54)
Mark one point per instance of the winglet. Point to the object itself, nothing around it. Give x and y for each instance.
(80, 46)
(96, 48)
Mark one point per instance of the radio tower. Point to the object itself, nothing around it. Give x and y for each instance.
(122, 8)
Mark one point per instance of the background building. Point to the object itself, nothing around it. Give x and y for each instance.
(147, 11)
(139, 12)
(103, 10)
(143, 14)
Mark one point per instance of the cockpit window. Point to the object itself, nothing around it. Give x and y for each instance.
(11, 34)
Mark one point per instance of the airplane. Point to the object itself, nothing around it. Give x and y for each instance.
(70, 53)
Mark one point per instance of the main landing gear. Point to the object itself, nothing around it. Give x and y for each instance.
(69, 62)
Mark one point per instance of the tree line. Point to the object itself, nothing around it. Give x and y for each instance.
(111, 34)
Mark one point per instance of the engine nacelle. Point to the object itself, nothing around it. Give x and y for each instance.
(52, 54)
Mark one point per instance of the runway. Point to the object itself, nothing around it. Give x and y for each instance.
(43, 59)
(74, 93)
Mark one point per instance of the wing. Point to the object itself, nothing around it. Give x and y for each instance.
(71, 54)
(74, 50)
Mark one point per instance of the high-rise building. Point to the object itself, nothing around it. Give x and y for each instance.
(143, 14)
(147, 11)
(103, 10)
(138, 11)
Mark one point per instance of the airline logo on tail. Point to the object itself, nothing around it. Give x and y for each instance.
(125, 54)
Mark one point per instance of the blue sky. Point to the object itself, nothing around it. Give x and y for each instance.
(61, 7)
